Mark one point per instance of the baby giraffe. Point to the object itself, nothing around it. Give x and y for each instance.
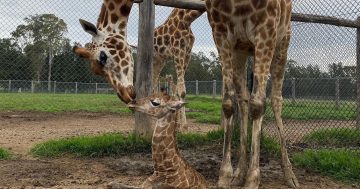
(170, 168)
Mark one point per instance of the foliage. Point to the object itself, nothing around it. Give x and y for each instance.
(201, 67)
(4, 154)
(343, 165)
(337, 137)
(13, 62)
(41, 38)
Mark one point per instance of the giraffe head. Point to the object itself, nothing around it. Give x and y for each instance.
(109, 53)
(157, 105)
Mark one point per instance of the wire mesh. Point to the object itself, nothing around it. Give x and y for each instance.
(319, 87)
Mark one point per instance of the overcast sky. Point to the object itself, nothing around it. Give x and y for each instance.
(311, 43)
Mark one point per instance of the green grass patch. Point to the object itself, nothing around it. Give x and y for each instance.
(206, 109)
(93, 146)
(4, 154)
(336, 137)
(61, 102)
(342, 165)
(119, 144)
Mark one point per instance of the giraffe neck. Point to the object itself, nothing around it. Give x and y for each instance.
(184, 16)
(114, 16)
(164, 148)
(191, 15)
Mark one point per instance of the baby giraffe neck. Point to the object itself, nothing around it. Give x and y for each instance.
(164, 148)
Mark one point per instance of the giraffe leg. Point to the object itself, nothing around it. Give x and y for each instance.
(228, 109)
(180, 64)
(239, 67)
(158, 65)
(277, 74)
(263, 57)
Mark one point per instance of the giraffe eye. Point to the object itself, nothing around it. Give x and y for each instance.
(103, 58)
(153, 103)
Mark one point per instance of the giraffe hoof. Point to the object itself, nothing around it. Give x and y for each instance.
(253, 179)
(224, 179)
(291, 180)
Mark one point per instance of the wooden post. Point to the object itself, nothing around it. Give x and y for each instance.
(197, 88)
(214, 89)
(337, 93)
(293, 94)
(358, 75)
(143, 85)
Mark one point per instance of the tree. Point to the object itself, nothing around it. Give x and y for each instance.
(336, 70)
(41, 37)
(13, 62)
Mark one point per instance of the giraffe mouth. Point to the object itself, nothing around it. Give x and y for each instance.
(127, 94)
(132, 105)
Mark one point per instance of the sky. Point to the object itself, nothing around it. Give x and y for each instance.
(311, 43)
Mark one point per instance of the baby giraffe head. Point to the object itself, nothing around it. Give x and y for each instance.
(157, 105)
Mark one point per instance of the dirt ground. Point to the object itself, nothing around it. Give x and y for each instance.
(19, 131)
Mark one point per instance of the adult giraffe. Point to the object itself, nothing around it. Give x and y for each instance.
(260, 28)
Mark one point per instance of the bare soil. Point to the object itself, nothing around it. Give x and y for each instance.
(19, 131)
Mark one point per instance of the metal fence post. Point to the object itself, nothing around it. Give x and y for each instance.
(337, 93)
(358, 75)
(32, 86)
(96, 88)
(76, 87)
(9, 87)
(214, 88)
(293, 87)
(54, 87)
(197, 87)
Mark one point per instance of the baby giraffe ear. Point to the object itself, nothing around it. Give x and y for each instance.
(177, 104)
(89, 27)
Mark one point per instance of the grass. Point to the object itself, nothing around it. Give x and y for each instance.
(4, 154)
(338, 137)
(61, 102)
(119, 144)
(92, 146)
(205, 109)
(342, 165)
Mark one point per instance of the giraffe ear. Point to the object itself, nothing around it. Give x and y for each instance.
(89, 27)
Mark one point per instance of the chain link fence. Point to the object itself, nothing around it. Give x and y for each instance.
(319, 88)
